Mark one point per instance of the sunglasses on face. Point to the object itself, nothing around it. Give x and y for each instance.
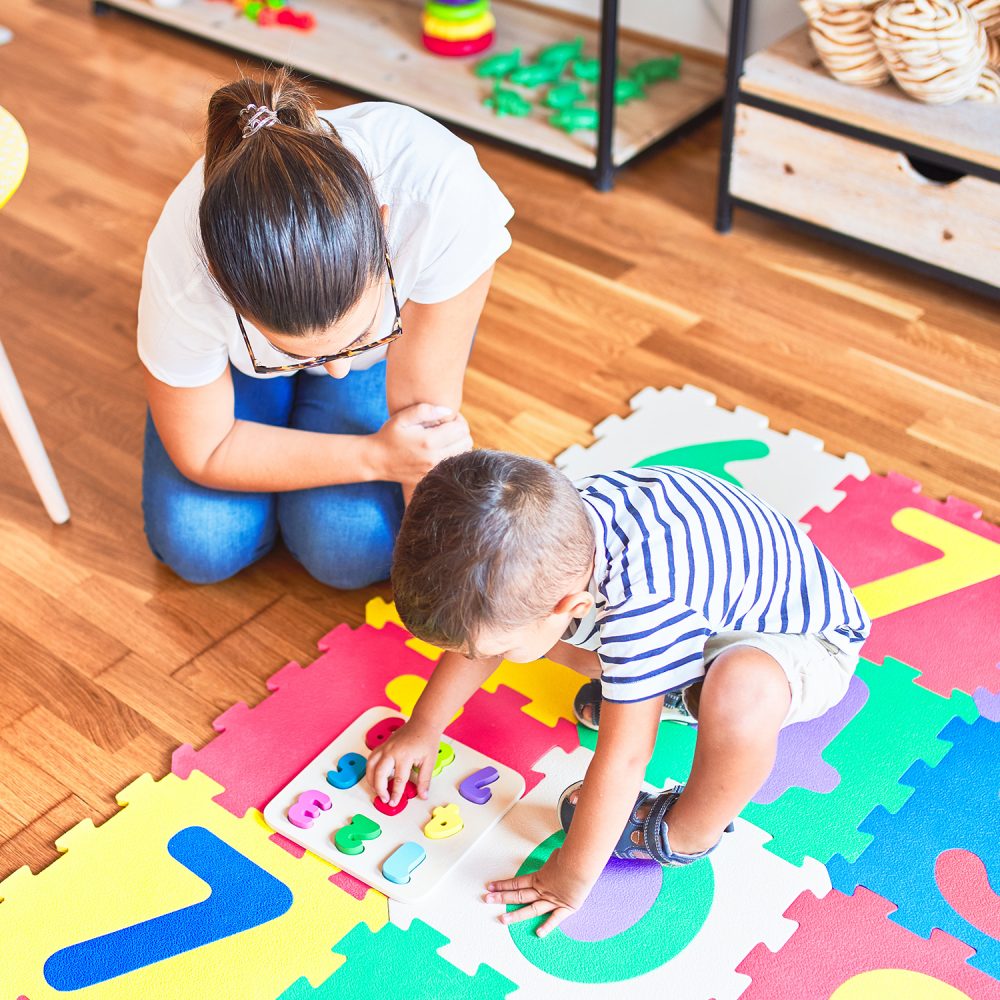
(350, 352)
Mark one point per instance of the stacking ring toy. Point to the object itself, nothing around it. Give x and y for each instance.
(469, 47)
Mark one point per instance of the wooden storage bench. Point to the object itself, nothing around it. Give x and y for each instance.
(916, 183)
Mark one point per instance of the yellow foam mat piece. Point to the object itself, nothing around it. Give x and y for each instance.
(120, 873)
(550, 686)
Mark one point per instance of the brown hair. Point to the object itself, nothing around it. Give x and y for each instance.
(290, 222)
(490, 540)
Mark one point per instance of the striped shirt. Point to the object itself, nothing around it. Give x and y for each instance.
(682, 556)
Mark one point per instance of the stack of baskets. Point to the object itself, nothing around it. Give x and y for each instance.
(458, 27)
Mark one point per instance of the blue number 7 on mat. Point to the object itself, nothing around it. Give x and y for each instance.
(243, 896)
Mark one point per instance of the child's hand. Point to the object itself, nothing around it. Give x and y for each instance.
(411, 744)
(548, 890)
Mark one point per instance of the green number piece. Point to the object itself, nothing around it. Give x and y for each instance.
(711, 457)
(667, 928)
(499, 65)
(445, 757)
(564, 96)
(348, 839)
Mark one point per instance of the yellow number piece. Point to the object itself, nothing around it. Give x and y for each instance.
(445, 821)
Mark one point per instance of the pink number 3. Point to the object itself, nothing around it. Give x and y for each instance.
(308, 807)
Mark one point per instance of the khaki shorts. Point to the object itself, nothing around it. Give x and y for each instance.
(818, 672)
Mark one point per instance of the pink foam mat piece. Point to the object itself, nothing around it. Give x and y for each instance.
(840, 937)
(952, 640)
(259, 749)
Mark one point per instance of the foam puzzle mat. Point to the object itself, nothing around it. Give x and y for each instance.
(867, 867)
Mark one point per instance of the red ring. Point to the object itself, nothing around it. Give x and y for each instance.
(467, 47)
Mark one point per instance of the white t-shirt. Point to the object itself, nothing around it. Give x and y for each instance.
(447, 225)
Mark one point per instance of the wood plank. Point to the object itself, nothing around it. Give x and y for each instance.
(790, 72)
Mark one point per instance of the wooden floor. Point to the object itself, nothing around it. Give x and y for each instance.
(108, 661)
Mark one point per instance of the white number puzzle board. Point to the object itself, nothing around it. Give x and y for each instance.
(405, 828)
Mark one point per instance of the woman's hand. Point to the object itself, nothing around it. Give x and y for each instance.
(412, 744)
(412, 441)
(548, 890)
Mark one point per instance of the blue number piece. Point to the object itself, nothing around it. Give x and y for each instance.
(242, 896)
(402, 862)
(349, 771)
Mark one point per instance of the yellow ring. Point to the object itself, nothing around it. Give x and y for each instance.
(459, 31)
(13, 155)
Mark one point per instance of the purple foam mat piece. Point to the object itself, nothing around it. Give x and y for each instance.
(623, 895)
(988, 704)
(799, 762)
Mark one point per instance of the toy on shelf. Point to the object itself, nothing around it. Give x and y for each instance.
(565, 95)
(271, 13)
(507, 102)
(561, 53)
(573, 78)
(458, 27)
(937, 51)
(499, 65)
(571, 119)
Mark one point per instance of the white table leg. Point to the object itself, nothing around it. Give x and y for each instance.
(22, 429)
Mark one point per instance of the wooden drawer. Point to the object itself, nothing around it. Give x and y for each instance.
(873, 194)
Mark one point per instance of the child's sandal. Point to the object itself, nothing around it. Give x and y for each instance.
(674, 708)
(653, 828)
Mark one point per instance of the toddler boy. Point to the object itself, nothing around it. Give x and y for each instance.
(687, 597)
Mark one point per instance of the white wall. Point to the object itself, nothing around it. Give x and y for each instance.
(700, 23)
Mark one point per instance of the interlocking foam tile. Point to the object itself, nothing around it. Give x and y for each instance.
(261, 748)
(938, 857)
(677, 932)
(927, 572)
(898, 724)
(126, 913)
(799, 761)
(404, 963)
(988, 704)
(684, 427)
(672, 755)
(549, 687)
(845, 948)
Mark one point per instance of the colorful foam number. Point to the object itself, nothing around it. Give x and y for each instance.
(474, 789)
(241, 896)
(445, 758)
(445, 822)
(307, 808)
(349, 771)
(381, 731)
(403, 861)
(348, 839)
(409, 792)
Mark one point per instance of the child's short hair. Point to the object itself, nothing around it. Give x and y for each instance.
(490, 540)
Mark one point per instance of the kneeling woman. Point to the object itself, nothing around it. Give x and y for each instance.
(309, 298)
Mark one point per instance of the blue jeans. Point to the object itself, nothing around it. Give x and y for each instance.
(343, 535)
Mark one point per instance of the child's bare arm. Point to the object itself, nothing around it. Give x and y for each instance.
(454, 680)
(583, 661)
(560, 886)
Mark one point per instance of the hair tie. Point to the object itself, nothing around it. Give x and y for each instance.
(262, 117)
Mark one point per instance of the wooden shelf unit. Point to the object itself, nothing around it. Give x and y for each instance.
(914, 183)
(373, 47)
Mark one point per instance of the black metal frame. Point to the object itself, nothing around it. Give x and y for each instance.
(726, 201)
(602, 174)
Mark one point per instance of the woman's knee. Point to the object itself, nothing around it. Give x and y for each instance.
(343, 535)
(206, 540)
